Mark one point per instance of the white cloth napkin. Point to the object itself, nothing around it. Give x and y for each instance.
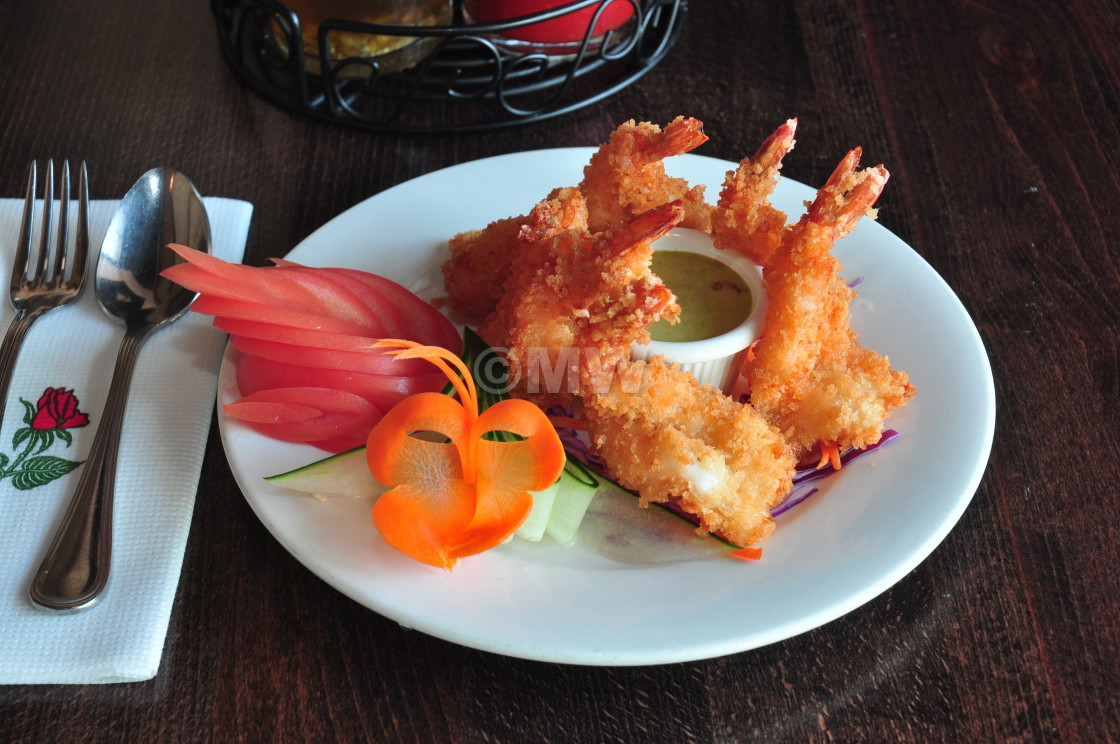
(170, 402)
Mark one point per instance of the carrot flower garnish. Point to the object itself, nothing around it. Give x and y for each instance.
(452, 499)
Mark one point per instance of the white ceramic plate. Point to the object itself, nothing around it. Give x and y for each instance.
(868, 527)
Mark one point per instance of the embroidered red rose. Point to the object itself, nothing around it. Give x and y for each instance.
(58, 409)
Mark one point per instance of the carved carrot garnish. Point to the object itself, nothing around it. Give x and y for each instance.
(456, 498)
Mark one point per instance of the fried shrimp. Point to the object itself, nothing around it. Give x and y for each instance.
(481, 260)
(744, 221)
(676, 441)
(567, 289)
(808, 375)
(626, 176)
(588, 294)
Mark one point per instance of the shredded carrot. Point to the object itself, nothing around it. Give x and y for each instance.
(748, 554)
(457, 498)
(830, 453)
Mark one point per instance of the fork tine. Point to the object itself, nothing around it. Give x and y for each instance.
(81, 241)
(48, 221)
(58, 265)
(23, 244)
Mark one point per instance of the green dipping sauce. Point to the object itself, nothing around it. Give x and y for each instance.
(714, 299)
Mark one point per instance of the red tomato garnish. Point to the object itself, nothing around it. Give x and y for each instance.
(307, 414)
(309, 368)
(384, 391)
(373, 362)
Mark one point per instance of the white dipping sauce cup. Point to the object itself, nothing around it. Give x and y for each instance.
(713, 360)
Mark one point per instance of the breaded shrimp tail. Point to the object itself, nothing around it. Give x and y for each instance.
(626, 176)
(744, 220)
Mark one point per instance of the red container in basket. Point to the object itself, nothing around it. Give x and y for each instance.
(571, 27)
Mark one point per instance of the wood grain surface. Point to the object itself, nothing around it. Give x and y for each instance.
(999, 123)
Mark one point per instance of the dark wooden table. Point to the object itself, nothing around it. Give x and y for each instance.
(998, 121)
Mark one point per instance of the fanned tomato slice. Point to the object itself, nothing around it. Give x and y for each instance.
(217, 278)
(255, 374)
(426, 324)
(391, 314)
(297, 336)
(340, 301)
(374, 362)
(229, 308)
(308, 414)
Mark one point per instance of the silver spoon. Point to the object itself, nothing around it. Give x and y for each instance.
(163, 207)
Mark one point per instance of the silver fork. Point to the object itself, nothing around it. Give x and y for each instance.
(49, 279)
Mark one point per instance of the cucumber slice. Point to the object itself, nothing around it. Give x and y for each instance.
(344, 474)
(620, 529)
(532, 529)
(569, 506)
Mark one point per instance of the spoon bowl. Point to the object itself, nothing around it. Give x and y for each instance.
(163, 207)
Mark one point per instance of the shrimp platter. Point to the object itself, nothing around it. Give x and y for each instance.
(568, 288)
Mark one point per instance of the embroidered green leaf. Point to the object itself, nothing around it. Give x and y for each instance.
(44, 439)
(38, 471)
(28, 411)
(65, 436)
(20, 435)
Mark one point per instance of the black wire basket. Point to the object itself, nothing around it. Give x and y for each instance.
(468, 76)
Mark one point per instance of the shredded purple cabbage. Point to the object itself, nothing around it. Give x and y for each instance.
(575, 443)
(796, 496)
(811, 473)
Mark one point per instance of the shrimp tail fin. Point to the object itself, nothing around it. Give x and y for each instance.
(649, 226)
(678, 137)
(744, 220)
(775, 147)
(848, 194)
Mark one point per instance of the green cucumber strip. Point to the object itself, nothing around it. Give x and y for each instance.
(568, 508)
(685, 522)
(532, 529)
(344, 474)
(619, 529)
(581, 473)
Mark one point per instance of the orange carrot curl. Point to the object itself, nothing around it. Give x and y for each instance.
(449, 500)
